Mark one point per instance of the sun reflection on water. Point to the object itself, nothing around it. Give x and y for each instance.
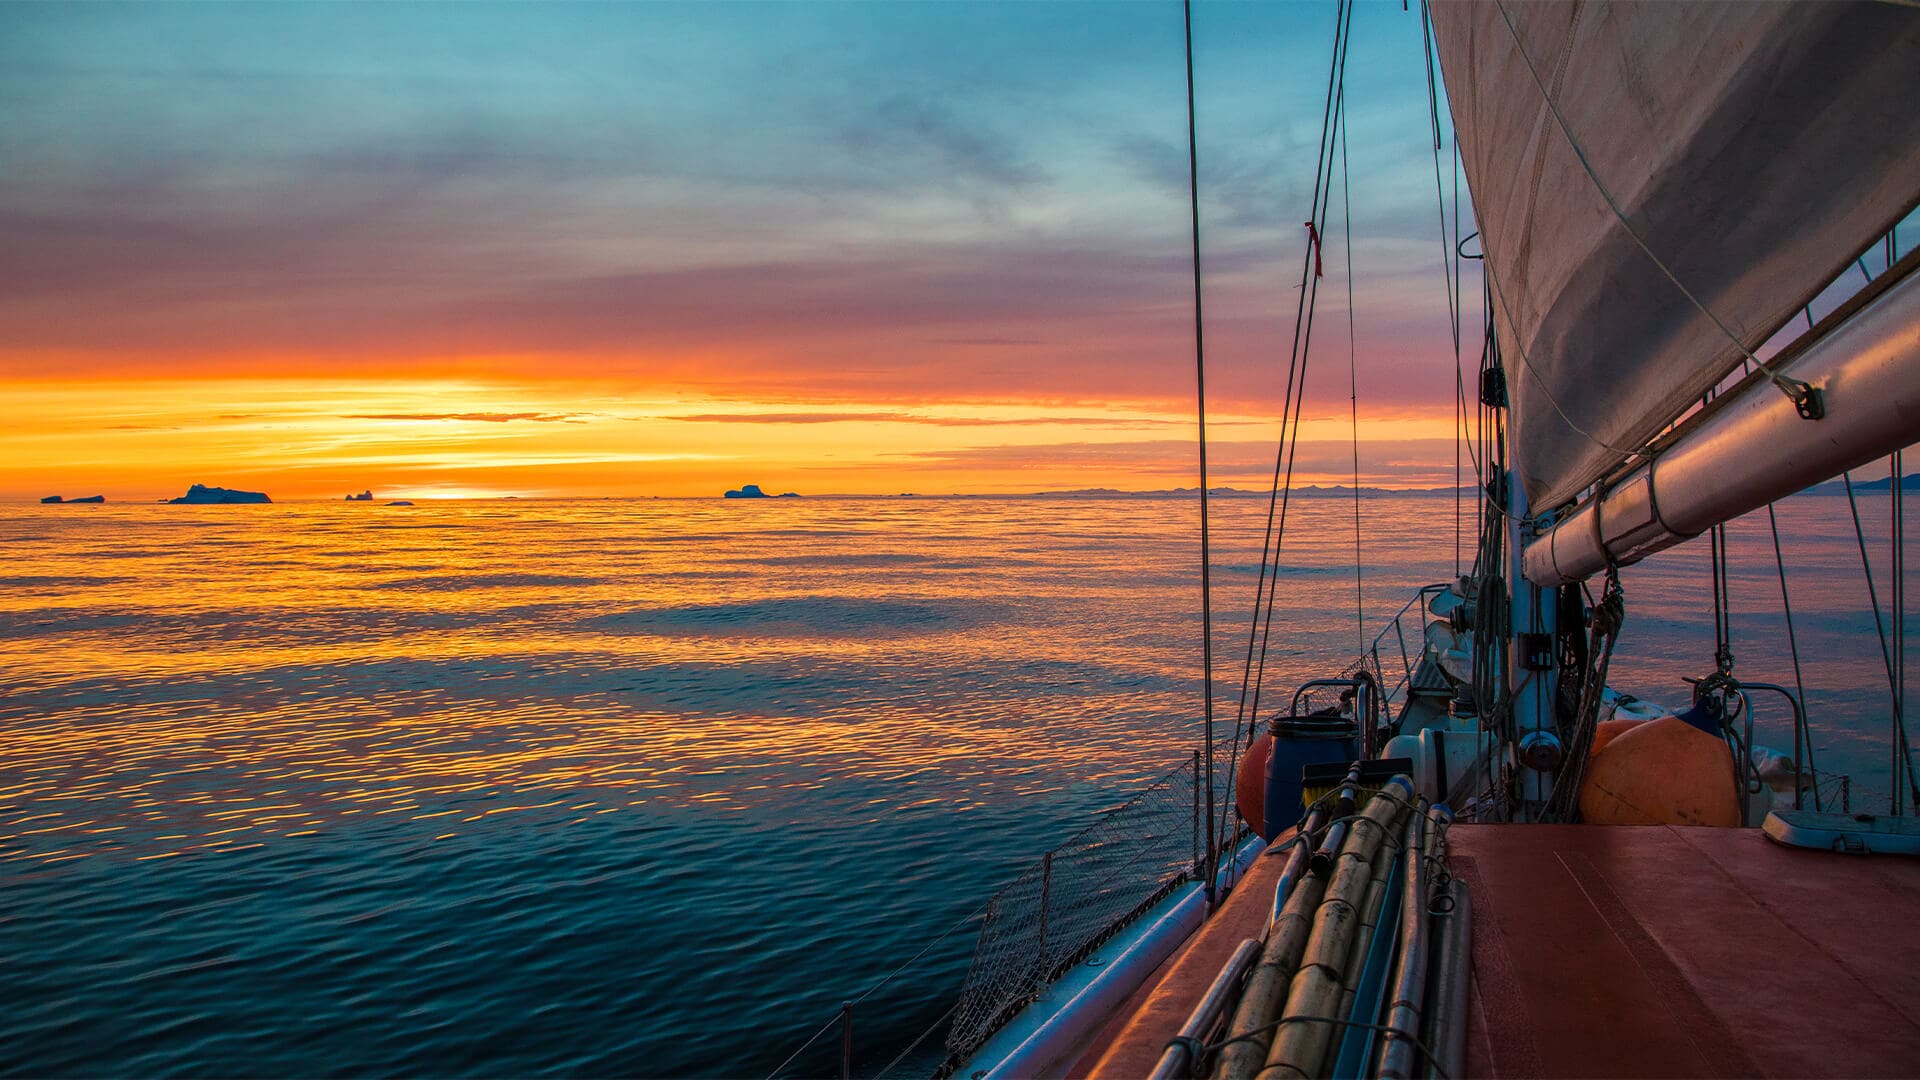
(539, 735)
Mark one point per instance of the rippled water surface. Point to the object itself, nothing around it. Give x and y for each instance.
(649, 787)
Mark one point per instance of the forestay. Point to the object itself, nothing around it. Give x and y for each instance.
(1751, 149)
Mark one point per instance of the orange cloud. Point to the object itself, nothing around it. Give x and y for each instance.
(322, 438)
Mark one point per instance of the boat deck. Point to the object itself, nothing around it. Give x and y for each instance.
(1660, 951)
(1635, 952)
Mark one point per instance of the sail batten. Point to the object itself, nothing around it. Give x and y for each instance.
(1659, 188)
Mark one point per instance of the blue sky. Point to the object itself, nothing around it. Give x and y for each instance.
(778, 203)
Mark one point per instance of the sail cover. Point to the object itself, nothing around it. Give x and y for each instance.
(1754, 148)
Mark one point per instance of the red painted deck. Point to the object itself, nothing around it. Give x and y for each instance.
(1659, 951)
(1131, 1043)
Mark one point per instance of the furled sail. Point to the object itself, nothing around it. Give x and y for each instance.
(1653, 181)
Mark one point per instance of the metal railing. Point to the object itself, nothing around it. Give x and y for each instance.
(1395, 695)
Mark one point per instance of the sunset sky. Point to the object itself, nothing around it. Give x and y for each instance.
(658, 249)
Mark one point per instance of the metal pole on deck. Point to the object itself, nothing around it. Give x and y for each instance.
(1046, 898)
(1197, 868)
(846, 1040)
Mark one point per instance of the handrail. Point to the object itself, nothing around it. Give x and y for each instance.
(1394, 696)
(1801, 737)
(1356, 684)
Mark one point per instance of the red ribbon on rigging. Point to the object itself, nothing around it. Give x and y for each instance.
(1313, 241)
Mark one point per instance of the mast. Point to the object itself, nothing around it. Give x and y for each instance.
(1530, 663)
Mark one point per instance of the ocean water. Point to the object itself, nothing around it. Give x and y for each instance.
(649, 787)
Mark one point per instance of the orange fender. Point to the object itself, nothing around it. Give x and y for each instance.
(1661, 772)
(1608, 730)
(1250, 784)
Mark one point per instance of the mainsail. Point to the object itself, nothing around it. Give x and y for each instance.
(1662, 186)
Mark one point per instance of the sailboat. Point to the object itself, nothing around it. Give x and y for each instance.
(1475, 858)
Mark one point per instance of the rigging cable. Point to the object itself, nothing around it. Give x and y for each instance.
(1353, 389)
(1449, 268)
(1291, 441)
(1722, 607)
(1895, 485)
(1283, 480)
(1799, 687)
(1245, 719)
(1200, 379)
(1873, 598)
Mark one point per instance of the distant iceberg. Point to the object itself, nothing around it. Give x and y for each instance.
(87, 499)
(752, 491)
(399, 502)
(202, 495)
(365, 496)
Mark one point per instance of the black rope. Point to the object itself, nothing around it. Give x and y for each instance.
(1608, 617)
(1200, 379)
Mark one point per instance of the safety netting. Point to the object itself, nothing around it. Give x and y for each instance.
(1076, 897)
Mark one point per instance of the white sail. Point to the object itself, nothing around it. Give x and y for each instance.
(1660, 187)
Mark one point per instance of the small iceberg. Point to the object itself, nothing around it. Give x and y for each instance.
(399, 502)
(365, 496)
(752, 491)
(202, 495)
(51, 499)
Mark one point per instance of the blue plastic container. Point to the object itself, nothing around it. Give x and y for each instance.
(1299, 741)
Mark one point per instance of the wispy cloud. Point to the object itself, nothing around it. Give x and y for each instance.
(917, 418)
(929, 134)
(484, 417)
